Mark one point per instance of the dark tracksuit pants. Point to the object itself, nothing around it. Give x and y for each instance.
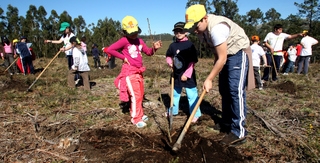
(232, 82)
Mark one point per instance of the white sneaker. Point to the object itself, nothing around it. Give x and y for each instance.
(141, 124)
(285, 73)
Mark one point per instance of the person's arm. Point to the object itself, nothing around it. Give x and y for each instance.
(150, 51)
(221, 55)
(189, 71)
(113, 49)
(54, 41)
(294, 36)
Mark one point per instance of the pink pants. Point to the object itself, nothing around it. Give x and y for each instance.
(136, 90)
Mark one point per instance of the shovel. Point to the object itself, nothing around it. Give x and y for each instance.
(177, 145)
(171, 103)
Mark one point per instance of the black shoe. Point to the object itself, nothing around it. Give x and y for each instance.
(232, 140)
(125, 106)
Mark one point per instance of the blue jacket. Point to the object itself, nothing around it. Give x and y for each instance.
(23, 50)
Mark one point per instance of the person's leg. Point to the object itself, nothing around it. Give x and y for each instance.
(277, 60)
(257, 76)
(99, 63)
(85, 80)
(135, 89)
(13, 67)
(176, 99)
(24, 65)
(288, 68)
(30, 64)
(292, 67)
(224, 90)
(7, 62)
(193, 97)
(306, 65)
(70, 78)
(300, 64)
(70, 61)
(237, 77)
(266, 70)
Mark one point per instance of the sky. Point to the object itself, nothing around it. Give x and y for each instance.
(162, 14)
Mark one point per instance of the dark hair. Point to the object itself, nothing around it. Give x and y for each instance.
(70, 30)
(83, 39)
(5, 40)
(277, 26)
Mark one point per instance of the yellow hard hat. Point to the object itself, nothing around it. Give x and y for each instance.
(15, 41)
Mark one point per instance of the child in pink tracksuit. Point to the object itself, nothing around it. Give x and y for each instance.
(130, 80)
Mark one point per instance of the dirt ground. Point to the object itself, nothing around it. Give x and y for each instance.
(52, 124)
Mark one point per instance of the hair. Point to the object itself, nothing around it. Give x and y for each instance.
(277, 26)
(6, 41)
(83, 39)
(70, 30)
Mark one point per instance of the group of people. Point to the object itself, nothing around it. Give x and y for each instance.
(235, 61)
(19, 52)
(232, 63)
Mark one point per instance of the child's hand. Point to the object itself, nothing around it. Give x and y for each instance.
(157, 44)
(126, 61)
(184, 78)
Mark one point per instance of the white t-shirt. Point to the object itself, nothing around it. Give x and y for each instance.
(307, 43)
(292, 54)
(80, 59)
(67, 43)
(276, 41)
(257, 52)
(219, 34)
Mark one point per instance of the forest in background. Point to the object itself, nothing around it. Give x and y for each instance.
(39, 24)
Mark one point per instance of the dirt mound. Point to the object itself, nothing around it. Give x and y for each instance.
(111, 145)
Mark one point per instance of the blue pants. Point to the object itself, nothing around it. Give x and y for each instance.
(277, 60)
(303, 62)
(289, 67)
(232, 82)
(27, 62)
(192, 94)
(70, 61)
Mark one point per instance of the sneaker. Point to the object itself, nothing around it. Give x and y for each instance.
(141, 124)
(285, 73)
(260, 88)
(232, 140)
(77, 81)
(195, 119)
(11, 73)
(144, 118)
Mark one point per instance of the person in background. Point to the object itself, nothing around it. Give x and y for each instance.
(306, 42)
(65, 38)
(231, 48)
(130, 80)
(25, 55)
(83, 43)
(274, 41)
(257, 53)
(292, 56)
(80, 64)
(181, 56)
(298, 48)
(8, 55)
(96, 56)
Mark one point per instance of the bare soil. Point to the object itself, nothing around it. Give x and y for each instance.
(55, 124)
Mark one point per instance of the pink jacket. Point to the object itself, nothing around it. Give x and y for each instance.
(120, 81)
(130, 49)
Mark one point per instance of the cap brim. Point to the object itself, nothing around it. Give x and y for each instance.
(62, 29)
(133, 31)
(191, 27)
(178, 28)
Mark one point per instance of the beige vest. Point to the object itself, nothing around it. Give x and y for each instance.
(236, 41)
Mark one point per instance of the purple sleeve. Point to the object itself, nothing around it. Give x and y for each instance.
(113, 49)
(189, 70)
